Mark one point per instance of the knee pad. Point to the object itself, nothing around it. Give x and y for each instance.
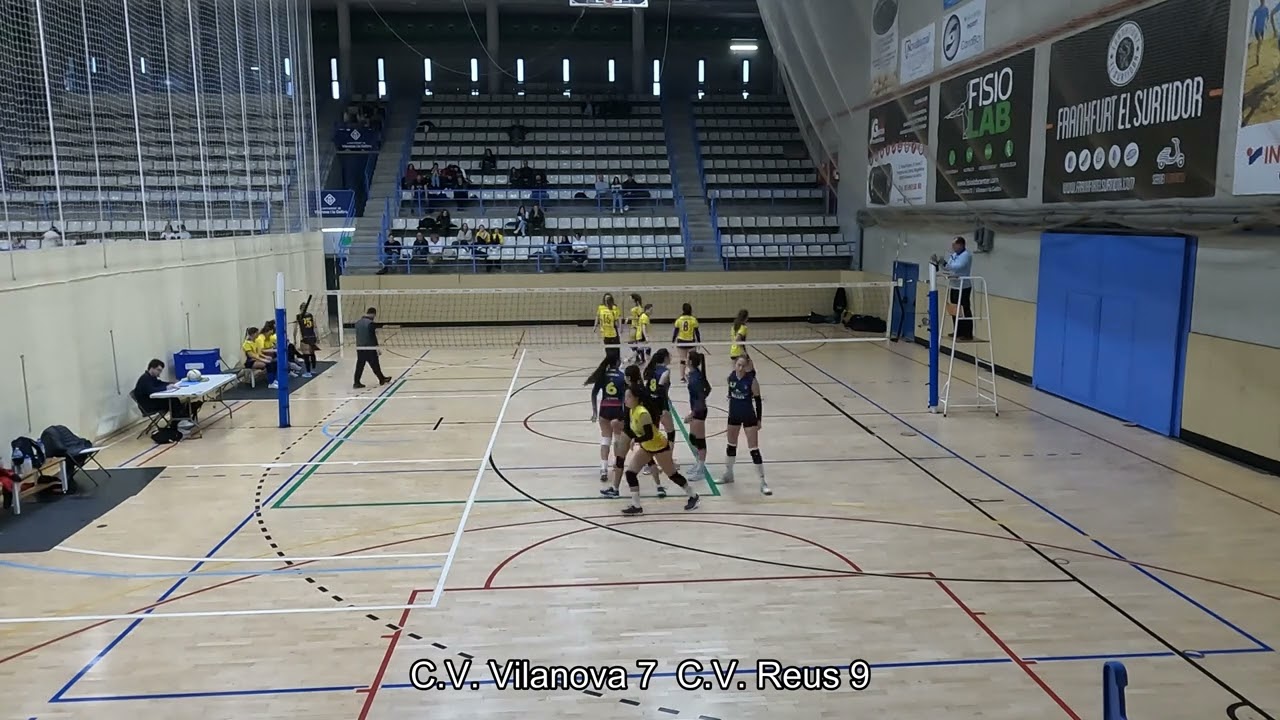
(756, 457)
(605, 441)
(731, 450)
(619, 462)
(633, 480)
(700, 443)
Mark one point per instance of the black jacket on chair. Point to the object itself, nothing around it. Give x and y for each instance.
(59, 441)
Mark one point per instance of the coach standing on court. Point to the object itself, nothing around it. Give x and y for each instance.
(367, 348)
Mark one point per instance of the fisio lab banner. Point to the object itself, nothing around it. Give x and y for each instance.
(898, 152)
(1257, 160)
(984, 131)
(334, 203)
(1135, 106)
(357, 139)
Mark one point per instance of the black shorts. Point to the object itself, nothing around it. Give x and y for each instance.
(612, 412)
(310, 342)
(612, 341)
(747, 420)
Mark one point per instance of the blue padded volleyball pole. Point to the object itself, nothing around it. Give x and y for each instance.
(933, 337)
(282, 354)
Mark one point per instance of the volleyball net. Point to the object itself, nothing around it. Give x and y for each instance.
(567, 317)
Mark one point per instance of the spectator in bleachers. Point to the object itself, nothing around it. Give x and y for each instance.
(537, 219)
(549, 254)
(522, 177)
(412, 179)
(493, 255)
(51, 238)
(182, 232)
(436, 179)
(489, 163)
(517, 132)
(615, 191)
(540, 186)
(455, 176)
(521, 223)
(169, 233)
(465, 236)
(602, 188)
(579, 251)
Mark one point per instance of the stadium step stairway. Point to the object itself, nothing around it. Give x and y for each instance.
(402, 117)
(687, 179)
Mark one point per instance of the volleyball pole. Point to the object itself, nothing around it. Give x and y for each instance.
(933, 338)
(282, 365)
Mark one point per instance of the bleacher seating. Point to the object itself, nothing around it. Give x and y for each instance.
(769, 208)
(193, 171)
(568, 148)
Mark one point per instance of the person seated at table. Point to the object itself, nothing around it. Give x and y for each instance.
(149, 384)
(255, 358)
(269, 347)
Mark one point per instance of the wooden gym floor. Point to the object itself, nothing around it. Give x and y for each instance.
(983, 567)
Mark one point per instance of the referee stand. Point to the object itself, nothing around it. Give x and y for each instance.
(981, 349)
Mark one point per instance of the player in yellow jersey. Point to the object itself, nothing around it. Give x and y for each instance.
(640, 335)
(651, 445)
(686, 337)
(738, 337)
(608, 315)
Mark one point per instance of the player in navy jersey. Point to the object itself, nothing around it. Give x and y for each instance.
(696, 420)
(746, 412)
(607, 387)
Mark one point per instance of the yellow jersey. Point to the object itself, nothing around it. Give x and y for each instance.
(250, 348)
(740, 336)
(607, 318)
(271, 341)
(640, 417)
(640, 327)
(686, 325)
(636, 312)
(260, 343)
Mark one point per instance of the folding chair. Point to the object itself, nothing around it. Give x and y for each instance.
(154, 418)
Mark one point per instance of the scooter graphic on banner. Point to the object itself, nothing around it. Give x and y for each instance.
(1171, 155)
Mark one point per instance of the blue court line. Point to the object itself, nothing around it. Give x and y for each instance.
(1261, 645)
(363, 471)
(213, 573)
(746, 670)
(209, 555)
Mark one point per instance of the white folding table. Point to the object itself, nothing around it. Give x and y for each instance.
(208, 389)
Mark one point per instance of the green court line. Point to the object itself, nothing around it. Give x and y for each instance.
(492, 501)
(337, 443)
(711, 483)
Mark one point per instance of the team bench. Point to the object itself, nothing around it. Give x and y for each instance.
(29, 482)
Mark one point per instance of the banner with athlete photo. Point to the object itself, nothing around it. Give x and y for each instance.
(1135, 106)
(1257, 160)
(884, 46)
(898, 151)
(984, 131)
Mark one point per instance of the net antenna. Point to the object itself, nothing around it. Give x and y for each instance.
(409, 321)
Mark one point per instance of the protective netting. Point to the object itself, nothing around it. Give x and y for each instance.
(149, 119)
(1157, 79)
(549, 317)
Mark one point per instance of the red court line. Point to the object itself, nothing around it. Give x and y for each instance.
(497, 569)
(371, 692)
(1026, 667)
(672, 581)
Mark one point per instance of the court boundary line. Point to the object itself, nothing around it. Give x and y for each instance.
(115, 642)
(438, 592)
(1042, 507)
(264, 559)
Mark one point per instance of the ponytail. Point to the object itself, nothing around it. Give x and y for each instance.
(610, 362)
(661, 357)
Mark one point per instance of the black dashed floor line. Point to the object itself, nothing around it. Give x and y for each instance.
(392, 626)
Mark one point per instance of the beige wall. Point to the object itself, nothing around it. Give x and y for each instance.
(1232, 392)
(85, 320)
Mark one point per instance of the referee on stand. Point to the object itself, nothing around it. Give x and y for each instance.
(367, 348)
(959, 265)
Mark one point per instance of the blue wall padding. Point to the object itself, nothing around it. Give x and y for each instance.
(1112, 322)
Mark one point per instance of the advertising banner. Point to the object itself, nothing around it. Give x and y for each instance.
(964, 32)
(1257, 159)
(917, 55)
(357, 139)
(1135, 106)
(984, 131)
(898, 152)
(334, 203)
(884, 46)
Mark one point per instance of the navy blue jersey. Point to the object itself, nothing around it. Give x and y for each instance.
(698, 390)
(611, 389)
(740, 398)
(657, 389)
